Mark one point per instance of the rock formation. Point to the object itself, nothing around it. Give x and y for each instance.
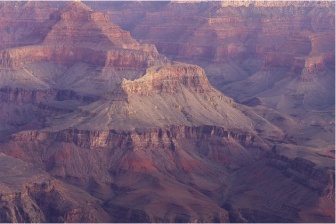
(98, 127)
(76, 33)
(241, 43)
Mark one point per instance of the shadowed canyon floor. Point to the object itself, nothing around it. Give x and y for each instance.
(99, 123)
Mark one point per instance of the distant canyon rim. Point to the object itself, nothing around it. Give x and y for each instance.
(167, 111)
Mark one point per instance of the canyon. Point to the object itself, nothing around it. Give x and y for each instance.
(241, 43)
(167, 111)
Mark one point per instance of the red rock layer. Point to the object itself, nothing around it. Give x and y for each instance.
(76, 33)
(96, 139)
(19, 19)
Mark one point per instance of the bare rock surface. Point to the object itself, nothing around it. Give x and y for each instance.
(29, 194)
(282, 52)
(96, 126)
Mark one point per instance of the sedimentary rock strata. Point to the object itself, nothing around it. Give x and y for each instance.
(96, 126)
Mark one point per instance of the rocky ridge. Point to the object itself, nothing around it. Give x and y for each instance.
(92, 31)
(250, 40)
(303, 175)
(122, 56)
(157, 143)
(29, 194)
(166, 79)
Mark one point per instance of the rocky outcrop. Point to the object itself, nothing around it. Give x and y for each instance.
(168, 80)
(19, 207)
(306, 53)
(97, 28)
(230, 148)
(58, 207)
(68, 55)
(138, 138)
(306, 172)
(236, 40)
(165, 146)
(29, 194)
(141, 158)
(77, 33)
(46, 202)
(18, 57)
(280, 188)
(192, 26)
(19, 19)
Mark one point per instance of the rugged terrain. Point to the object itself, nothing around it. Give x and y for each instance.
(280, 53)
(98, 127)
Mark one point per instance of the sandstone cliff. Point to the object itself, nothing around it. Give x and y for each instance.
(97, 127)
(76, 33)
(234, 41)
(167, 79)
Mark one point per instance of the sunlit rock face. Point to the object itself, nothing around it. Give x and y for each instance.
(286, 48)
(99, 124)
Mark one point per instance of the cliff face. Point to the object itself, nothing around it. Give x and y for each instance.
(34, 196)
(46, 203)
(306, 173)
(233, 28)
(18, 57)
(167, 79)
(20, 96)
(91, 44)
(74, 17)
(18, 19)
(77, 33)
(166, 161)
(315, 184)
(97, 127)
(92, 56)
(238, 42)
(185, 154)
(96, 139)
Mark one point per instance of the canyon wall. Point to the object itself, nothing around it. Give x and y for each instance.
(153, 141)
(238, 42)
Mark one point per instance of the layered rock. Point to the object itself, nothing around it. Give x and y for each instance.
(96, 139)
(38, 69)
(18, 57)
(133, 137)
(20, 96)
(18, 19)
(76, 33)
(306, 173)
(282, 178)
(287, 39)
(167, 79)
(45, 203)
(172, 155)
(34, 196)
(77, 13)
(226, 29)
